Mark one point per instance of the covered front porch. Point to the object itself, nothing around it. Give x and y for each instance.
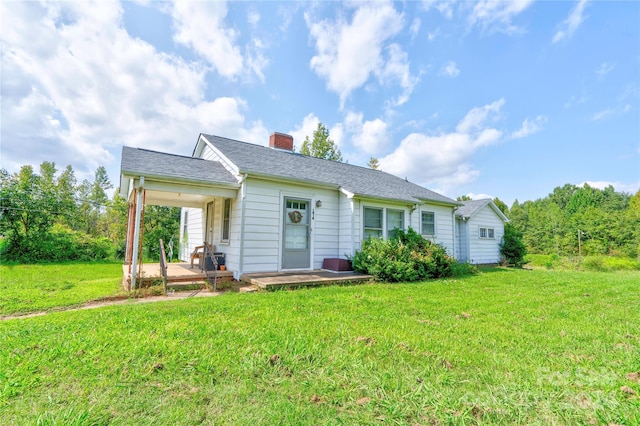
(155, 178)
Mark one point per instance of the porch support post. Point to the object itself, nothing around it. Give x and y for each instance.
(136, 234)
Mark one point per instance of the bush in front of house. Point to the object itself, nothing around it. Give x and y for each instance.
(512, 247)
(407, 257)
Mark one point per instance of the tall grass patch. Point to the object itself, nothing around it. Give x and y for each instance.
(585, 263)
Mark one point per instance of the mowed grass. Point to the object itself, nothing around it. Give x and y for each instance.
(502, 347)
(32, 288)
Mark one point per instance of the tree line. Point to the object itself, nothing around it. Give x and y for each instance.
(50, 216)
(579, 220)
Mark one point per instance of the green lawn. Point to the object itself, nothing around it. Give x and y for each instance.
(503, 347)
(32, 288)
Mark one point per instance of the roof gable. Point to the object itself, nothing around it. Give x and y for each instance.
(471, 208)
(361, 181)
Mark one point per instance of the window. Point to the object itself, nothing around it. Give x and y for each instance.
(297, 205)
(382, 223)
(428, 223)
(226, 219)
(395, 220)
(489, 233)
(372, 223)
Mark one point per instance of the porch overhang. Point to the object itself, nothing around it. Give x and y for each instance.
(176, 193)
(174, 180)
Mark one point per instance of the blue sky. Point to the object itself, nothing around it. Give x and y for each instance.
(487, 98)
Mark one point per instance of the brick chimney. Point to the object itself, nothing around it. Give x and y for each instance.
(281, 141)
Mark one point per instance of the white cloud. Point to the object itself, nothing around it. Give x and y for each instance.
(529, 127)
(476, 119)
(630, 188)
(497, 15)
(370, 136)
(309, 125)
(348, 53)
(415, 27)
(306, 128)
(604, 69)
(445, 7)
(200, 26)
(78, 91)
(611, 111)
(433, 34)
(450, 69)
(480, 196)
(444, 158)
(573, 21)
(396, 70)
(602, 114)
(575, 101)
(253, 16)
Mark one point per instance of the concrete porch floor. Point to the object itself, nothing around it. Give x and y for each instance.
(274, 280)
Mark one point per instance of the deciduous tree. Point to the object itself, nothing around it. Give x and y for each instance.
(321, 145)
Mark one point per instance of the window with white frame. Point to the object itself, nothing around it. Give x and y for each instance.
(226, 220)
(395, 221)
(429, 223)
(489, 233)
(372, 223)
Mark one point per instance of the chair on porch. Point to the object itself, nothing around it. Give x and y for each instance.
(199, 254)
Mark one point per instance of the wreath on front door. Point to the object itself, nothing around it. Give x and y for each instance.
(295, 216)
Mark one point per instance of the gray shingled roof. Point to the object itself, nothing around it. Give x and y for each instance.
(143, 162)
(361, 181)
(469, 208)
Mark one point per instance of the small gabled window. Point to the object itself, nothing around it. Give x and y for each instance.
(488, 233)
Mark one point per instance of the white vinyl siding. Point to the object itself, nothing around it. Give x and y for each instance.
(263, 222)
(462, 241)
(194, 227)
(346, 217)
(443, 216)
(486, 229)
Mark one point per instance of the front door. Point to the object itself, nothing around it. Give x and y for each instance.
(296, 253)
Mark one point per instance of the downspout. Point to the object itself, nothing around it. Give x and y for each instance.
(136, 235)
(353, 234)
(242, 220)
(453, 221)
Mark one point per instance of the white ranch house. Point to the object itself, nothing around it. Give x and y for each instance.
(270, 209)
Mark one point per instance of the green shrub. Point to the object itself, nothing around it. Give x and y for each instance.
(512, 247)
(459, 269)
(58, 245)
(594, 263)
(408, 257)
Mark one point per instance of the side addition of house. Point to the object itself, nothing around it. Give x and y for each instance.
(479, 231)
